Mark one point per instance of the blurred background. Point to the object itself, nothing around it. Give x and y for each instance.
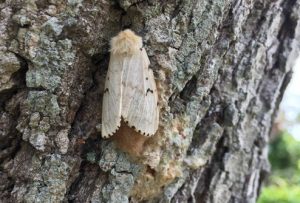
(283, 184)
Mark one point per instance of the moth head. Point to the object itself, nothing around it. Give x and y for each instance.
(126, 43)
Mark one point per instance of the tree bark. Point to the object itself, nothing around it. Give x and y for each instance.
(221, 68)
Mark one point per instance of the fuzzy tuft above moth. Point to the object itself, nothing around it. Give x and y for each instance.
(130, 94)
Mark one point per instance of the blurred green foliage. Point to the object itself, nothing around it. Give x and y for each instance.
(283, 185)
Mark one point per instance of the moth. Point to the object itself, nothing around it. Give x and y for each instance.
(130, 94)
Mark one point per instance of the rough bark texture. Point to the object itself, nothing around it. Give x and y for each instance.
(221, 68)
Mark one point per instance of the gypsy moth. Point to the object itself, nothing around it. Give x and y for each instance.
(130, 90)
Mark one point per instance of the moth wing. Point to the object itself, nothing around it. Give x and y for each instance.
(153, 103)
(111, 108)
(139, 104)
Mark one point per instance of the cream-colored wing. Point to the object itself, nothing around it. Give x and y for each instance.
(112, 97)
(139, 95)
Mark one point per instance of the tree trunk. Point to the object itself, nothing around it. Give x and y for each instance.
(221, 68)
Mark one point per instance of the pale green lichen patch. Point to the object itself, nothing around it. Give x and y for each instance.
(112, 158)
(50, 63)
(38, 139)
(125, 165)
(52, 27)
(52, 180)
(45, 103)
(74, 2)
(109, 157)
(122, 173)
(21, 18)
(118, 188)
(91, 157)
(34, 126)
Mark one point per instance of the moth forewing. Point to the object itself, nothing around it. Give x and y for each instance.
(139, 106)
(111, 108)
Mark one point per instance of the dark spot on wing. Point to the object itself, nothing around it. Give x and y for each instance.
(146, 78)
(149, 90)
(106, 90)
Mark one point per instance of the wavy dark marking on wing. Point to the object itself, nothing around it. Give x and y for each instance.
(149, 90)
